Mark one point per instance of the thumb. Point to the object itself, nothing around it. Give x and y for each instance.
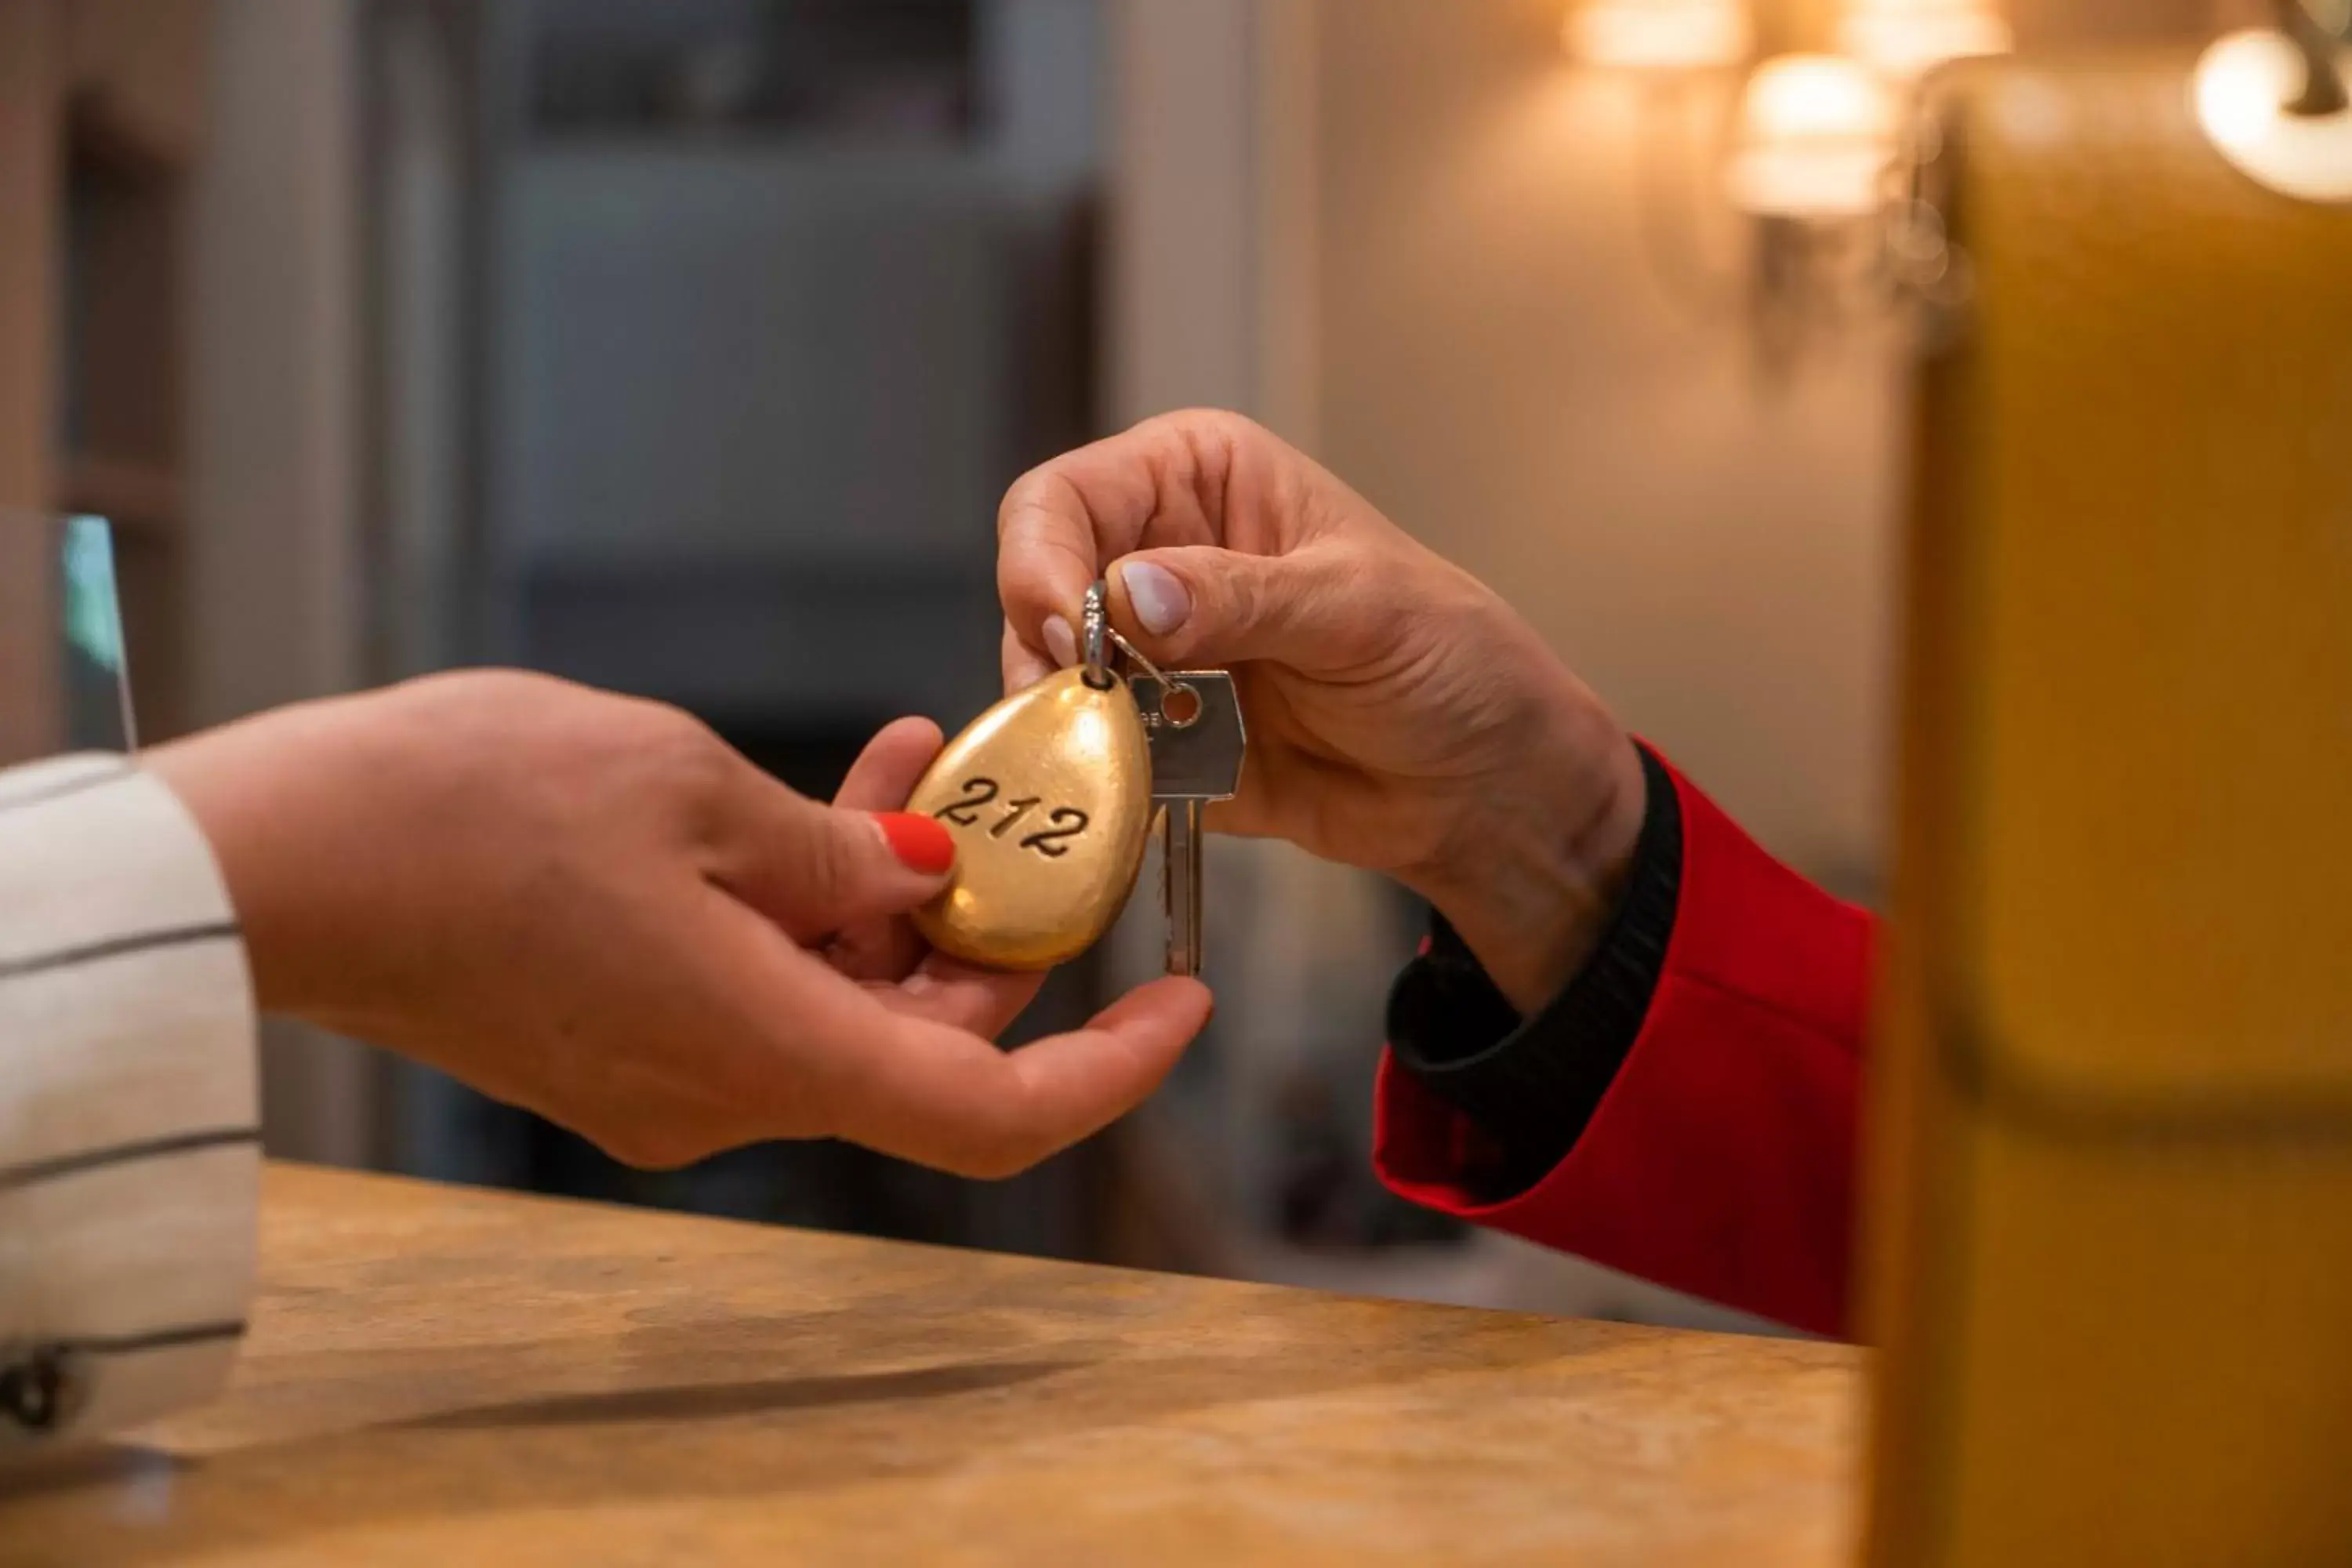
(814, 869)
(1316, 608)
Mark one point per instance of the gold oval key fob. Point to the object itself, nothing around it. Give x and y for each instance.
(1049, 797)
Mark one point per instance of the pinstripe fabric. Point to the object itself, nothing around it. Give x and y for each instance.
(129, 1104)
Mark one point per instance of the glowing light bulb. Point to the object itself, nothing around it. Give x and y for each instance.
(2239, 93)
(1816, 134)
(1657, 35)
(1909, 38)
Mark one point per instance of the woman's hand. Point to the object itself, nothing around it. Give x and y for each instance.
(1400, 717)
(590, 906)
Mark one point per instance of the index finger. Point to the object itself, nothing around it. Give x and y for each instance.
(1050, 546)
(1063, 522)
(1025, 665)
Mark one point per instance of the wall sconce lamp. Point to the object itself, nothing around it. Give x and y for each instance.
(1817, 157)
(1816, 134)
(1658, 35)
(2274, 102)
(1810, 159)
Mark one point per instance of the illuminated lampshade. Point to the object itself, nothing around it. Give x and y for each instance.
(1657, 35)
(1816, 134)
(1907, 37)
(2241, 91)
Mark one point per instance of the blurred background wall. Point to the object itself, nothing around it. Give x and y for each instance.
(1501, 366)
(684, 346)
(276, 442)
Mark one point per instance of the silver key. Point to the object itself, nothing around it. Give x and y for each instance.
(1194, 720)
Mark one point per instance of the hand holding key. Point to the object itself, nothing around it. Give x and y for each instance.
(1402, 718)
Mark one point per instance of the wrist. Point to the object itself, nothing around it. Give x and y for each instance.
(1535, 860)
(253, 788)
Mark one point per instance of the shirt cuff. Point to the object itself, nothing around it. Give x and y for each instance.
(1529, 1085)
(130, 1160)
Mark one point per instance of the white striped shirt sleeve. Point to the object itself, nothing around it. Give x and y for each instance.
(129, 1157)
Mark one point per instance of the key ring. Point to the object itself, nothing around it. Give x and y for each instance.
(1099, 637)
(1181, 716)
(1094, 626)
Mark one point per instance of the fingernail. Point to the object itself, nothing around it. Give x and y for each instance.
(1061, 641)
(923, 845)
(1160, 600)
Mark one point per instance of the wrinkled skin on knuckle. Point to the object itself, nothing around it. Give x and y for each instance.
(1480, 686)
(822, 874)
(1392, 611)
(1194, 453)
(1217, 439)
(1206, 431)
(1026, 515)
(1371, 592)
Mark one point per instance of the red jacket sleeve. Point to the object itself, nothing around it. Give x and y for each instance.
(1720, 1163)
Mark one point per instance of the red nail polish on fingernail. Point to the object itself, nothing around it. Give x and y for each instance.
(919, 841)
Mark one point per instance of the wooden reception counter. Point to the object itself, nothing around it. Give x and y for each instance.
(443, 1376)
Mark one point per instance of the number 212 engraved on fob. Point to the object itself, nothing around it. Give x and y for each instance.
(1067, 821)
(1049, 795)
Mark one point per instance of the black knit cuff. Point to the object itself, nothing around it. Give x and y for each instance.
(1530, 1085)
